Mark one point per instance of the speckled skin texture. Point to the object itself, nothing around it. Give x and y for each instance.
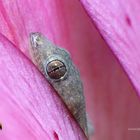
(69, 87)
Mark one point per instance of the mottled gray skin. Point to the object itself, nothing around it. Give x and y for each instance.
(69, 87)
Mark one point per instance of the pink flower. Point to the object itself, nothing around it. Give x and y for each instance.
(30, 108)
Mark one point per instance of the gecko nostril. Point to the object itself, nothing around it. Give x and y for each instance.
(56, 69)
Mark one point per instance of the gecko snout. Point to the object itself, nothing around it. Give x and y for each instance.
(36, 39)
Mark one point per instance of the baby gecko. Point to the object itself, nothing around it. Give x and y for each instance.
(56, 65)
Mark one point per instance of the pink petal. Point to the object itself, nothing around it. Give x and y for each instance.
(119, 23)
(119, 107)
(30, 110)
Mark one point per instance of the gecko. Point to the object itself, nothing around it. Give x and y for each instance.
(56, 65)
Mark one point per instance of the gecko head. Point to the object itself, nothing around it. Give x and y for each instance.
(50, 59)
(41, 45)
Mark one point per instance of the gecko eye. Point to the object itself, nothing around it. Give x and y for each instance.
(56, 69)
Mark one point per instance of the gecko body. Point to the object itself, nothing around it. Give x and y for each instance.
(56, 65)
